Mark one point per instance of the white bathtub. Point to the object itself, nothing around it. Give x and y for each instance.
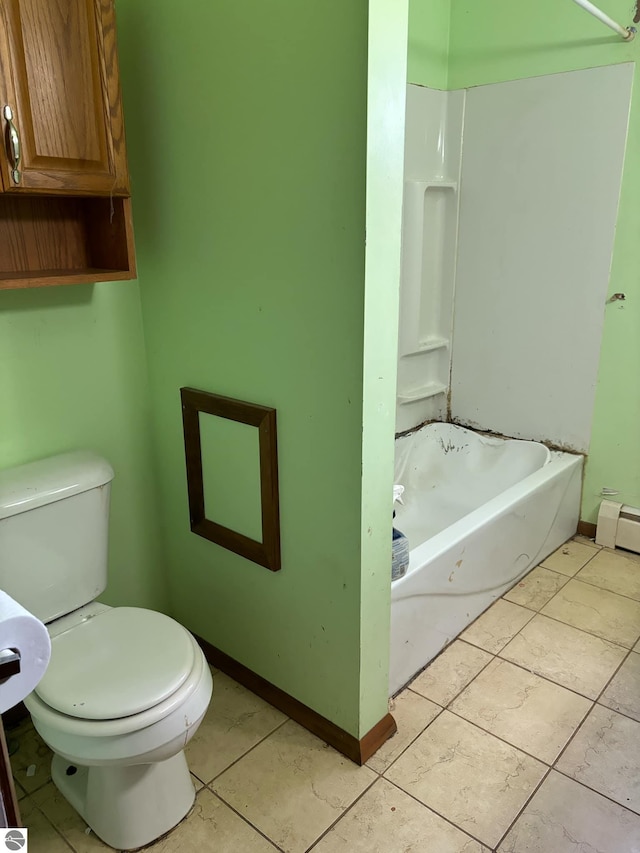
(479, 513)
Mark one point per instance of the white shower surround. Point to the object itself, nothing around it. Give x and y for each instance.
(535, 245)
(510, 205)
(479, 513)
(433, 151)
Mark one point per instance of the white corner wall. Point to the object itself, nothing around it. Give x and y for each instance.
(429, 230)
(541, 174)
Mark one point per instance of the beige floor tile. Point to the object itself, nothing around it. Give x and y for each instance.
(212, 827)
(235, 722)
(565, 817)
(450, 672)
(536, 588)
(605, 755)
(563, 654)
(615, 571)
(412, 714)
(499, 624)
(20, 792)
(67, 821)
(43, 838)
(597, 611)
(527, 711)
(569, 558)
(470, 777)
(623, 694)
(292, 786)
(386, 820)
(31, 763)
(584, 540)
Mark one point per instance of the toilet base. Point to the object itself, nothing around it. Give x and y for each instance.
(127, 806)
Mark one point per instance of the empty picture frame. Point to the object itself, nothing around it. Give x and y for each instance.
(267, 552)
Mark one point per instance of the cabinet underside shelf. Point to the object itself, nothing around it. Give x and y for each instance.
(49, 240)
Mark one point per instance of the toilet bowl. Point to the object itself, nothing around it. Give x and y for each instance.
(125, 691)
(126, 688)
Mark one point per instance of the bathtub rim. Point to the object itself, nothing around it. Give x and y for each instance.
(421, 555)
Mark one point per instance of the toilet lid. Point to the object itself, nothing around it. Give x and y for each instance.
(117, 663)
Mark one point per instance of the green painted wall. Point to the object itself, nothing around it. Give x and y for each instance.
(73, 375)
(498, 40)
(428, 61)
(247, 134)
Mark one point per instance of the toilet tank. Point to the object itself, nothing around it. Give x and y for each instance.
(54, 518)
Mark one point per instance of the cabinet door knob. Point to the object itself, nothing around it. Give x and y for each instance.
(13, 144)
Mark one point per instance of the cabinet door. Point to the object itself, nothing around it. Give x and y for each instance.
(59, 79)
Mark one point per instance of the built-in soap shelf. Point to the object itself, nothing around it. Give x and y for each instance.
(429, 234)
(429, 345)
(434, 185)
(431, 389)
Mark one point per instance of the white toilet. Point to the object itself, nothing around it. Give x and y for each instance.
(126, 688)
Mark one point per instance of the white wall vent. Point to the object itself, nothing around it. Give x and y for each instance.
(618, 526)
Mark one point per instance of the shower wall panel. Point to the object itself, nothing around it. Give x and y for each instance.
(541, 174)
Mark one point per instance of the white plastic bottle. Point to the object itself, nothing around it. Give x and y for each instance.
(400, 544)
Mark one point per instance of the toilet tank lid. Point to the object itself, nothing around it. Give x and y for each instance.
(38, 483)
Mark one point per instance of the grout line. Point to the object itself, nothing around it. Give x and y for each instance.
(596, 550)
(605, 589)
(35, 806)
(493, 656)
(595, 791)
(524, 806)
(544, 604)
(435, 811)
(585, 631)
(447, 646)
(570, 741)
(519, 748)
(344, 813)
(512, 604)
(34, 790)
(546, 569)
(555, 619)
(551, 681)
(617, 670)
(245, 819)
(240, 757)
(568, 625)
(421, 732)
(581, 539)
(619, 713)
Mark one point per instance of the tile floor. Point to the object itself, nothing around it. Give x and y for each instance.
(523, 735)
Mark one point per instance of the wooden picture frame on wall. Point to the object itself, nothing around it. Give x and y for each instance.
(267, 552)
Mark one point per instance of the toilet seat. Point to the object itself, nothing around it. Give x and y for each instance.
(103, 729)
(116, 664)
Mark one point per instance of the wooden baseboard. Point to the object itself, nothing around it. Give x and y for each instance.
(587, 528)
(359, 751)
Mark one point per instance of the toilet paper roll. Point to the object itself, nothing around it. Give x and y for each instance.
(22, 631)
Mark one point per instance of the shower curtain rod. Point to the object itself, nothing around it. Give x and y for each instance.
(627, 33)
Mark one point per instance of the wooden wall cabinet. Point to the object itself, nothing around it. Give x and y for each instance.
(65, 214)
